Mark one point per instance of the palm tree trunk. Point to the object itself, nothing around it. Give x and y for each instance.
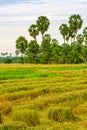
(42, 36)
(64, 39)
(74, 38)
(35, 38)
(71, 39)
(22, 59)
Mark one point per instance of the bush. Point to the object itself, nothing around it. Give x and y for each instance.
(61, 114)
(30, 117)
(7, 60)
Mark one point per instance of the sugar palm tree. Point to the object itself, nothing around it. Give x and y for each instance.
(85, 34)
(21, 45)
(80, 38)
(33, 51)
(43, 24)
(64, 30)
(33, 30)
(75, 23)
(71, 35)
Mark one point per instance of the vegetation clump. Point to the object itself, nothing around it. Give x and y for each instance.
(5, 107)
(0, 117)
(61, 114)
(30, 117)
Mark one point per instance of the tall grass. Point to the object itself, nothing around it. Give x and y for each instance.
(61, 114)
(5, 107)
(0, 118)
(30, 117)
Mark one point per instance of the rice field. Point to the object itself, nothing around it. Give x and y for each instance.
(43, 97)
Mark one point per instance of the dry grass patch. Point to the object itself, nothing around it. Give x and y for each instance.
(30, 117)
(61, 114)
(5, 106)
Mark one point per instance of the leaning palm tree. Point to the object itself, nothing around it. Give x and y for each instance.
(75, 23)
(33, 30)
(64, 30)
(43, 24)
(21, 45)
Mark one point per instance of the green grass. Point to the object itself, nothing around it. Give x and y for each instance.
(43, 97)
(37, 71)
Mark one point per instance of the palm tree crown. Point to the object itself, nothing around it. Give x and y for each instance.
(43, 24)
(75, 22)
(21, 45)
(64, 30)
(33, 30)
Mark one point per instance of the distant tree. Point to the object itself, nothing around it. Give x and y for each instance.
(55, 53)
(43, 24)
(33, 51)
(10, 54)
(71, 35)
(75, 55)
(85, 35)
(65, 52)
(46, 48)
(33, 30)
(21, 45)
(7, 60)
(17, 52)
(75, 23)
(3, 54)
(64, 30)
(84, 53)
(80, 38)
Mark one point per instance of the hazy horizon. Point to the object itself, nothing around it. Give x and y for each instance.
(17, 15)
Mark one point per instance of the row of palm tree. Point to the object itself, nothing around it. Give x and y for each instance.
(69, 31)
(41, 26)
(50, 51)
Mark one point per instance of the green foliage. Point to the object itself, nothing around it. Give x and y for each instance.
(80, 38)
(64, 30)
(32, 51)
(75, 22)
(21, 45)
(33, 30)
(7, 60)
(49, 51)
(43, 24)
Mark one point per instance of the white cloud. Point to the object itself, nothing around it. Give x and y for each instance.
(16, 18)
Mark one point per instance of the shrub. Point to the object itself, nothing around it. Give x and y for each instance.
(61, 114)
(7, 60)
(30, 117)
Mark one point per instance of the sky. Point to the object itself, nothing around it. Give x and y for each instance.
(16, 16)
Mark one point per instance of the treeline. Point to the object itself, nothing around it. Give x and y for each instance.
(73, 49)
